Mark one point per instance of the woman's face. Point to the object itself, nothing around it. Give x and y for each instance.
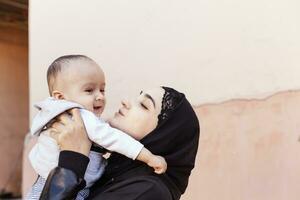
(139, 116)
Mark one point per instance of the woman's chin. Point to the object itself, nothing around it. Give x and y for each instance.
(109, 121)
(112, 122)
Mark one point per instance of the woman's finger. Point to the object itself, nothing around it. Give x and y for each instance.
(76, 115)
(64, 118)
(53, 133)
(58, 126)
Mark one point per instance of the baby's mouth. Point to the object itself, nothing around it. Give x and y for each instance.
(97, 108)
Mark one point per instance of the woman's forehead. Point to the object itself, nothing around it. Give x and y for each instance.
(154, 94)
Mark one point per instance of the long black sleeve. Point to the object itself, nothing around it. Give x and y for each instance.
(66, 180)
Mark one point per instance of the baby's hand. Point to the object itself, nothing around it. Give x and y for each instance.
(158, 163)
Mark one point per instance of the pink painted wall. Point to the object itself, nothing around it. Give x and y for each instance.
(14, 111)
(248, 150)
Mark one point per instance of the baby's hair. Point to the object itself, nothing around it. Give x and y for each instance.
(57, 65)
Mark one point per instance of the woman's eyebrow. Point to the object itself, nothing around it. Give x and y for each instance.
(149, 97)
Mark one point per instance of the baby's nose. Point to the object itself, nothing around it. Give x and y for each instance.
(99, 96)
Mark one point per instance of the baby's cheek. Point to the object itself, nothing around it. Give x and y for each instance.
(88, 107)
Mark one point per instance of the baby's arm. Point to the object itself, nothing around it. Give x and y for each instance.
(115, 140)
(157, 162)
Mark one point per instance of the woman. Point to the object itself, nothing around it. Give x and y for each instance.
(163, 120)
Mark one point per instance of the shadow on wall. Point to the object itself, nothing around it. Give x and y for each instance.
(14, 112)
(14, 107)
(249, 149)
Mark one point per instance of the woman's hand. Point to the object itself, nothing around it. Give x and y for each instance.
(70, 133)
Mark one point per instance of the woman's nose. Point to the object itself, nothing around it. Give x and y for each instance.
(126, 104)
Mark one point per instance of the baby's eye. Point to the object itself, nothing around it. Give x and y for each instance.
(88, 90)
(102, 91)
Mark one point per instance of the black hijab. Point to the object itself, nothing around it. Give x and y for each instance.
(175, 138)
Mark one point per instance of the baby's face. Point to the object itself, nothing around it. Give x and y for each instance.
(83, 83)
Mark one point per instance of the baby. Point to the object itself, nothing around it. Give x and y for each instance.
(76, 81)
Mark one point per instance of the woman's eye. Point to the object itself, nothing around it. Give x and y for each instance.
(144, 106)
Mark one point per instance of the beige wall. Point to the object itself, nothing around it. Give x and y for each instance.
(212, 51)
(14, 100)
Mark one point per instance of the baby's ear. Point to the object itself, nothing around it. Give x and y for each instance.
(57, 95)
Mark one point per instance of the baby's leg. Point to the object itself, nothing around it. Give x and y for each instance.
(36, 190)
